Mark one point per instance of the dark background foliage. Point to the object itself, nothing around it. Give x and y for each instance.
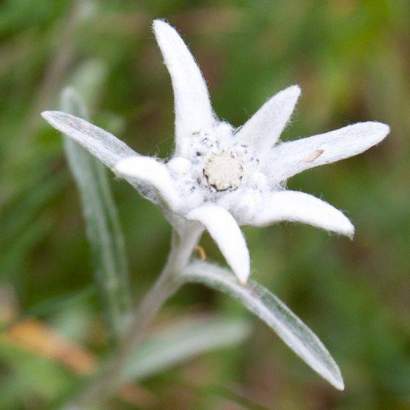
(351, 59)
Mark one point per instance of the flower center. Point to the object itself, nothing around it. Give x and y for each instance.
(223, 171)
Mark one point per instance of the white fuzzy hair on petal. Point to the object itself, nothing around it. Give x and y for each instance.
(300, 207)
(193, 110)
(263, 129)
(293, 157)
(148, 171)
(100, 143)
(226, 233)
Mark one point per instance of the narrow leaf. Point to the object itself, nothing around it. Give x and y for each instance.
(274, 313)
(182, 341)
(103, 229)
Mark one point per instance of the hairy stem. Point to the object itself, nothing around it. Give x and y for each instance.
(109, 379)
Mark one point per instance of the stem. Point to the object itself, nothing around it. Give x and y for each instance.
(110, 378)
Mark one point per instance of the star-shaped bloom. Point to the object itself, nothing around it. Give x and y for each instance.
(221, 177)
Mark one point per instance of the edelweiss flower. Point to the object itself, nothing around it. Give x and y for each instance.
(221, 177)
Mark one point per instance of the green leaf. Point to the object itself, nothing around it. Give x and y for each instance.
(182, 341)
(274, 313)
(103, 229)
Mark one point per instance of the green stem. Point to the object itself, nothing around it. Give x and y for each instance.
(110, 378)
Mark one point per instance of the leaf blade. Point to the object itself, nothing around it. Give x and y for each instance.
(274, 313)
(102, 224)
(182, 341)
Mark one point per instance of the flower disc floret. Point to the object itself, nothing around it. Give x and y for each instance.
(223, 171)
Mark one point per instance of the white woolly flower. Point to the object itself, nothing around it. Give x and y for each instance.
(221, 177)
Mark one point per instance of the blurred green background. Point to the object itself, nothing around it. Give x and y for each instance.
(351, 59)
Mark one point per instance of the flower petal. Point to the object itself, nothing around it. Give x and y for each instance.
(100, 143)
(148, 171)
(226, 233)
(296, 206)
(263, 129)
(193, 110)
(293, 157)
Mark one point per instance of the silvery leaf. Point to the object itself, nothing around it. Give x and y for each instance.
(182, 341)
(100, 214)
(274, 313)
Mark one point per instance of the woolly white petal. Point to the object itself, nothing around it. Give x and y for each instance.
(148, 171)
(193, 110)
(100, 143)
(293, 157)
(263, 129)
(226, 233)
(300, 207)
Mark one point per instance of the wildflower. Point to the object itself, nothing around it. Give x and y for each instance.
(220, 177)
